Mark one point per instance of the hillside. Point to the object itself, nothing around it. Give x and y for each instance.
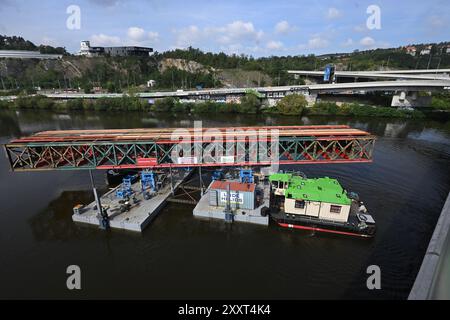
(19, 43)
(192, 68)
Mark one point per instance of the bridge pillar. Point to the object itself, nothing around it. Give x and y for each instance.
(311, 98)
(410, 100)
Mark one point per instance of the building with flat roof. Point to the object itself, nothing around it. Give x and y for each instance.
(127, 51)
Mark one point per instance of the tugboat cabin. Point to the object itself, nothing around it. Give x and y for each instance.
(321, 198)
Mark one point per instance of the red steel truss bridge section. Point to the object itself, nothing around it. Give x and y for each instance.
(155, 148)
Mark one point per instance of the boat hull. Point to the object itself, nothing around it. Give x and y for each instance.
(317, 225)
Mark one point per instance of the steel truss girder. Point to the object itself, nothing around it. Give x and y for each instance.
(133, 154)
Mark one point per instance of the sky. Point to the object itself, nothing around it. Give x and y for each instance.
(257, 28)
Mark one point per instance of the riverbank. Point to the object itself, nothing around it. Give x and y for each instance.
(249, 105)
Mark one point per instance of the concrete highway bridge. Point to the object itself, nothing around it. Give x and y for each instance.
(438, 74)
(206, 94)
(404, 87)
(406, 92)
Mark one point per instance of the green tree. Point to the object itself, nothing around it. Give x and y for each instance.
(111, 87)
(164, 105)
(45, 103)
(75, 104)
(250, 103)
(292, 104)
(87, 87)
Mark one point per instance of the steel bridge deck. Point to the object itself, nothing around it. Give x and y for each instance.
(156, 147)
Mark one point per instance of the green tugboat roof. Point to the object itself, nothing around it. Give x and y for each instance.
(319, 189)
(283, 177)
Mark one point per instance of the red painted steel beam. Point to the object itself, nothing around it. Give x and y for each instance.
(152, 148)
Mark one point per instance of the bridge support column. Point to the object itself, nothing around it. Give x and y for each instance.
(311, 98)
(171, 181)
(410, 100)
(201, 180)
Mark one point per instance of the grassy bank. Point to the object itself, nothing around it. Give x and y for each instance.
(357, 110)
(292, 105)
(249, 104)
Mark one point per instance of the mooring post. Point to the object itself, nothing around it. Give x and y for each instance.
(201, 180)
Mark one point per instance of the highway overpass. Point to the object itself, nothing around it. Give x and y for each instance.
(405, 92)
(279, 91)
(23, 54)
(413, 71)
(380, 74)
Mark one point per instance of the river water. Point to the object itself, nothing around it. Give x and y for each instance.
(178, 256)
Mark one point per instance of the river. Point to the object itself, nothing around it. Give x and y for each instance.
(180, 257)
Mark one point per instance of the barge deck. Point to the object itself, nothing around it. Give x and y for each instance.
(141, 212)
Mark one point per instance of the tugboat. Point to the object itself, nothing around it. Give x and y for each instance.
(319, 204)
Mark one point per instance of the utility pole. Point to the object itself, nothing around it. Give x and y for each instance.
(417, 64)
(429, 61)
(439, 63)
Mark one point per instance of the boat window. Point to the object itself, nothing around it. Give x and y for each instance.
(299, 204)
(335, 209)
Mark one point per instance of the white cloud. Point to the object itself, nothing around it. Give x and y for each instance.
(239, 31)
(348, 43)
(284, 27)
(153, 36)
(188, 36)
(136, 34)
(47, 41)
(135, 37)
(275, 45)
(105, 40)
(317, 43)
(232, 37)
(367, 42)
(333, 13)
(106, 3)
(359, 28)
